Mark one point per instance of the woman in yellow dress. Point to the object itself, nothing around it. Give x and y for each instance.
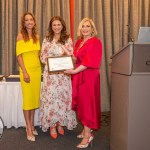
(27, 51)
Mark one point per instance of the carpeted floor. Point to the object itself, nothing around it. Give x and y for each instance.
(15, 139)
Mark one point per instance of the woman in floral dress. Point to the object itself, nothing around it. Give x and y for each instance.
(56, 93)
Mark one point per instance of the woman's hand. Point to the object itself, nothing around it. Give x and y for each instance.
(74, 58)
(26, 77)
(77, 70)
(70, 71)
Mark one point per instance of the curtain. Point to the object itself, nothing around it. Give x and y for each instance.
(11, 12)
(117, 22)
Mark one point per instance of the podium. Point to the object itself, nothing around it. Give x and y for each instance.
(130, 98)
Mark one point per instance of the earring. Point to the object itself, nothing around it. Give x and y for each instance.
(93, 31)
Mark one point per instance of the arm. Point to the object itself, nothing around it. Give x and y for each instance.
(77, 70)
(21, 63)
(38, 38)
(92, 58)
(68, 47)
(43, 53)
(24, 71)
(80, 68)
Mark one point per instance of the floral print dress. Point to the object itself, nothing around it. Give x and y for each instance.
(56, 91)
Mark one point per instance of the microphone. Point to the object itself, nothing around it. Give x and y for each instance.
(129, 33)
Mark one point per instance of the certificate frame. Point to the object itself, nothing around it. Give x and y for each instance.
(60, 63)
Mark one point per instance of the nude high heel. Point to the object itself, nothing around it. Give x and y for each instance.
(30, 138)
(34, 131)
(80, 136)
(89, 142)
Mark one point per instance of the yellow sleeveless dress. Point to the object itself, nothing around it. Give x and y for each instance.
(30, 55)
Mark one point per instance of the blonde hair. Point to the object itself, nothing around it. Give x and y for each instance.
(94, 33)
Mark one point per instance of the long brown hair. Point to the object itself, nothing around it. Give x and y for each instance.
(24, 31)
(63, 36)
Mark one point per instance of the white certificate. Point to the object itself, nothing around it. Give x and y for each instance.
(60, 63)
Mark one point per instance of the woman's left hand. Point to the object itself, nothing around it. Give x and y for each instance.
(70, 71)
(77, 70)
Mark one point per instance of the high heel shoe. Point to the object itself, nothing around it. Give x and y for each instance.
(60, 129)
(80, 136)
(35, 132)
(53, 132)
(89, 142)
(30, 138)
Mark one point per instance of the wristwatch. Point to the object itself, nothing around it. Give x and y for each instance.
(1, 127)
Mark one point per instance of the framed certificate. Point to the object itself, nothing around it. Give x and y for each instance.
(61, 63)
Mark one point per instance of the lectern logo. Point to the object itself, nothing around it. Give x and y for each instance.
(1, 127)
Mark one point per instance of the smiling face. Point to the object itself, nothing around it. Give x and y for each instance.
(86, 29)
(29, 22)
(57, 26)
